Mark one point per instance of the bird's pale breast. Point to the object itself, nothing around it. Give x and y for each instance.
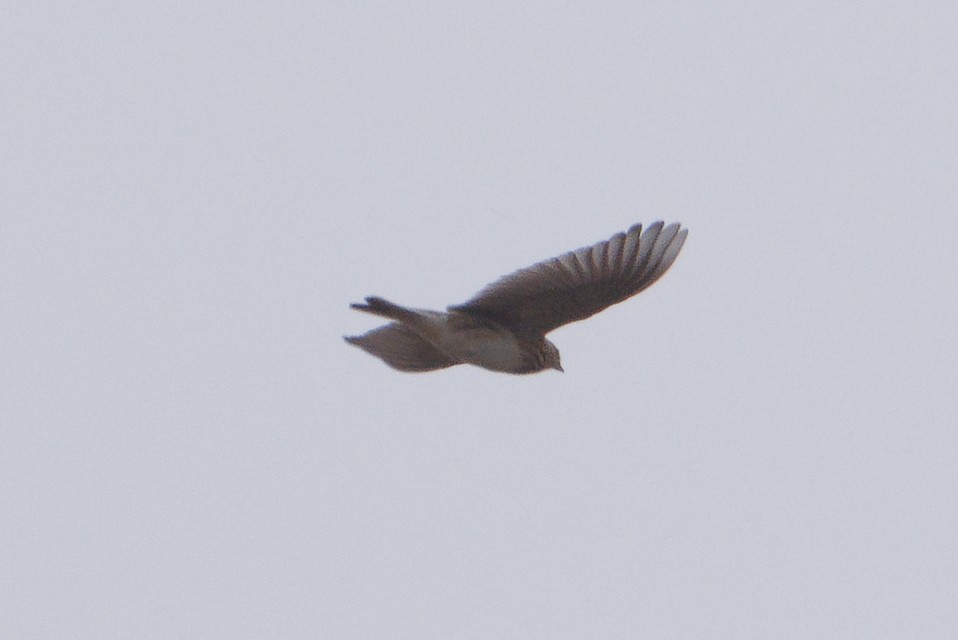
(488, 347)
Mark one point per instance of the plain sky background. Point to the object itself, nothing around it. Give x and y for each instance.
(762, 445)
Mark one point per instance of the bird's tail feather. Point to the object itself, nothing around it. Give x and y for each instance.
(384, 308)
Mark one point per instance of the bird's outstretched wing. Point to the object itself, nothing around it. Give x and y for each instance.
(578, 284)
(401, 348)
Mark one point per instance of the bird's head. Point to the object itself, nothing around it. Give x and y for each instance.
(550, 356)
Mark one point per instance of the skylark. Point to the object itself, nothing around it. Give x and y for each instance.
(504, 327)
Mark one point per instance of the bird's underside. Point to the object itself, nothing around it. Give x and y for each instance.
(503, 327)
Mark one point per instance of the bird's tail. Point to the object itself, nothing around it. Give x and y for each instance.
(384, 308)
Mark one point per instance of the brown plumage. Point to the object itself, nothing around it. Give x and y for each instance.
(503, 327)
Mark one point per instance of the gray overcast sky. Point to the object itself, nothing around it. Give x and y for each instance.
(762, 445)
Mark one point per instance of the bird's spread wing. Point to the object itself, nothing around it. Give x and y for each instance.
(580, 283)
(401, 348)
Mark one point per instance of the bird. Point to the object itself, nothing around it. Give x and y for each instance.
(503, 327)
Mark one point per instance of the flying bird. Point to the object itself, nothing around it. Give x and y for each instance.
(504, 326)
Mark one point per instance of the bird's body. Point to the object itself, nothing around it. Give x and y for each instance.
(454, 337)
(503, 327)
